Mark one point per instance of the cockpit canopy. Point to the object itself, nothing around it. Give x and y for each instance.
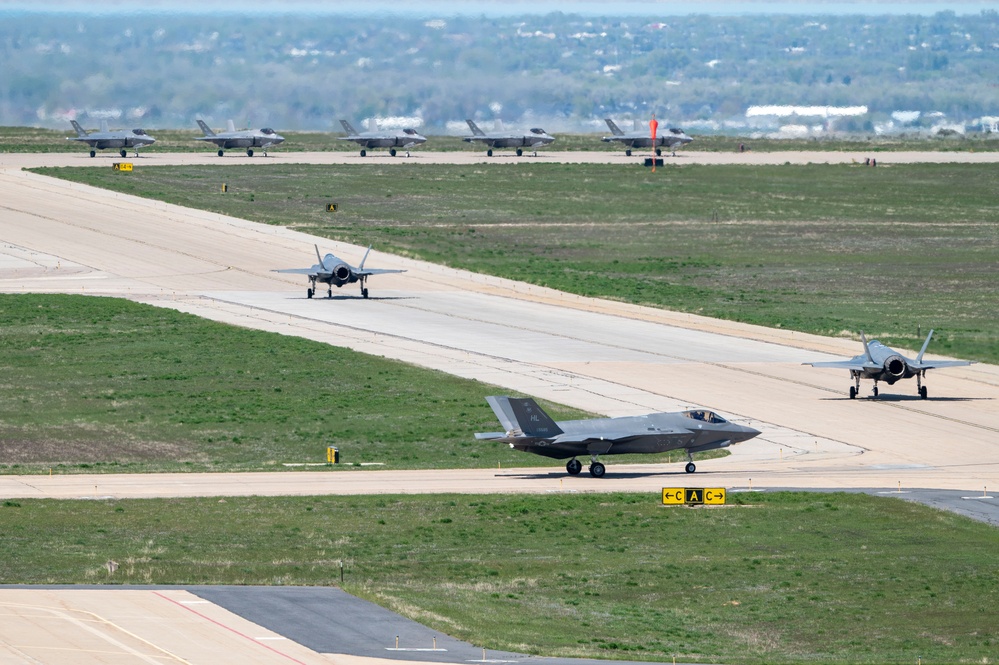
(139, 132)
(410, 131)
(537, 130)
(705, 416)
(267, 130)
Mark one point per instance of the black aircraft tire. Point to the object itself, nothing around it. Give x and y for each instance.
(627, 153)
(489, 153)
(364, 293)
(875, 391)
(922, 392)
(93, 153)
(391, 152)
(520, 153)
(221, 152)
(573, 467)
(853, 393)
(364, 153)
(597, 470)
(309, 293)
(690, 468)
(123, 153)
(659, 152)
(249, 152)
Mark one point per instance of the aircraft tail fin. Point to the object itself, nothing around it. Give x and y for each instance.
(361, 266)
(230, 125)
(80, 131)
(205, 128)
(347, 127)
(615, 130)
(522, 416)
(320, 257)
(919, 358)
(867, 348)
(104, 126)
(475, 128)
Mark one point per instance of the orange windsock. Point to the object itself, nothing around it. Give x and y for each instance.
(653, 127)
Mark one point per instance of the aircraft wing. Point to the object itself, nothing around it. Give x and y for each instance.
(847, 364)
(584, 440)
(374, 271)
(935, 364)
(298, 271)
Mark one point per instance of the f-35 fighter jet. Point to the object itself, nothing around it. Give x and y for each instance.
(881, 363)
(531, 430)
(381, 138)
(337, 272)
(243, 138)
(669, 139)
(536, 138)
(108, 140)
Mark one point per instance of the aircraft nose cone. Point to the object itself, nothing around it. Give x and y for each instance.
(747, 433)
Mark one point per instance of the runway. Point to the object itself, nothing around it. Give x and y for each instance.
(603, 356)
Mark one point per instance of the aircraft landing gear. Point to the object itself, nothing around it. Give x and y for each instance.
(489, 153)
(920, 388)
(329, 292)
(309, 293)
(597, 469)
(875, 388)
(690, 468)
(520, 152)
(364, 153)
(392, 152)
(249, 152)
(123, 153)
(574, 466)
(364, 293)
(853, 393)
(93, 153)
(659, 152)
(221, 152)
(407, 153)
(627, 153)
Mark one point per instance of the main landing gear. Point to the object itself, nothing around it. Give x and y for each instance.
(920, 388)
(249, 152)
(690, 468)
(124, 153)
(597, 469)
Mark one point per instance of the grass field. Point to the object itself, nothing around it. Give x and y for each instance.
(107, 385)
(778, 578)
(32, 139)
(893, 250)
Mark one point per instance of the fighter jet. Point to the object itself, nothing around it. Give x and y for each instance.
(531, 430)
(882, 363)
(377, 138)
(672, 138)
(535, 139)
(104, 139)
(337, 272)
(244, 138)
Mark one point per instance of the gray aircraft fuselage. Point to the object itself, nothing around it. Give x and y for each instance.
(243, 138)
(529, 429)
(112, 140)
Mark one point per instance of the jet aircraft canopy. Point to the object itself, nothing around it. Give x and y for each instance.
(706, 416)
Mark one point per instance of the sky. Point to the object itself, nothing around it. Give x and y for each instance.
(437, 8)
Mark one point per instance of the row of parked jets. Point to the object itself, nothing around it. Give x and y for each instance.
(249, 139)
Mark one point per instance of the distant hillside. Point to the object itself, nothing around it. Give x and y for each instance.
(563, 72)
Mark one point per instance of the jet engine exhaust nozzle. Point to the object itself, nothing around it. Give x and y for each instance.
(895, 367)
(342, 272)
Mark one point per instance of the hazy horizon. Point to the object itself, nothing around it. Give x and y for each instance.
(432, 8)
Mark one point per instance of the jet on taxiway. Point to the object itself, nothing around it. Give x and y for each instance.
(531, 430)
(882, 363)
(108, 140)
(337, 272)
(379, 138)
(244, 138)
(499, 139)
(670, 139)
